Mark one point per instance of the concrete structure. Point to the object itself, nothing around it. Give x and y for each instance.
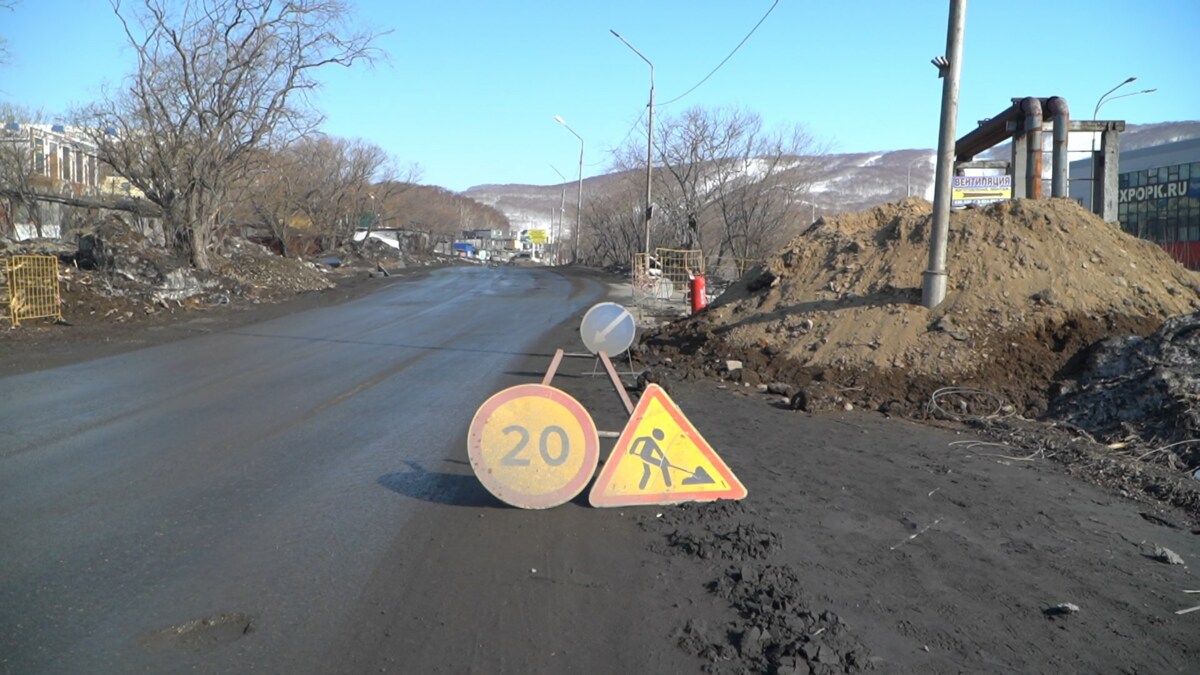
(1158, 196)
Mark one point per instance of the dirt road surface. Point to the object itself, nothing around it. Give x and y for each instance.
(866, 544)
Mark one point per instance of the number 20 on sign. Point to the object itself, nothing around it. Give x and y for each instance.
(533, 446)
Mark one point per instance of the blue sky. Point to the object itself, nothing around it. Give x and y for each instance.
(470, 88)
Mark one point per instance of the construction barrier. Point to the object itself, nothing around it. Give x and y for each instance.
(679, 266)
(32, 287)
(662, 281)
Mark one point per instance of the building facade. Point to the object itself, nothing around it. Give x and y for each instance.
(1158, 197)
(61, 157)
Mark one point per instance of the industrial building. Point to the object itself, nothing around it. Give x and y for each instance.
(1158, 195)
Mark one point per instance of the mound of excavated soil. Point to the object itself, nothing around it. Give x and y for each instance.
(1132, 388)
(837, 313)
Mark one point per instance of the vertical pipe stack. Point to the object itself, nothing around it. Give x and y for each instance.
(1032, 107)
(1057, 107)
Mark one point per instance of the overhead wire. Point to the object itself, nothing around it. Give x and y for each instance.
(642, 116)
(723, 61)
(613, 149)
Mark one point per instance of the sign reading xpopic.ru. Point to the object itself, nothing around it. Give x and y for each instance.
(979, 190)
(533, 446)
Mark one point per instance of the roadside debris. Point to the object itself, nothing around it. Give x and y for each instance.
(1061, 609)
(1141, 389)
(1166, 555)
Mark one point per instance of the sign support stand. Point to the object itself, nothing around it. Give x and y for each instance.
(608, 366)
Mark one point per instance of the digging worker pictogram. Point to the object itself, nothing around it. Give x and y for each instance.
(646, 449)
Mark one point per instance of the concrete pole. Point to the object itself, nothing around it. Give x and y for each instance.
(562, 208)
(649, 141)
(1092, 201)
(649, 163)
(933, 286)
(579, 204)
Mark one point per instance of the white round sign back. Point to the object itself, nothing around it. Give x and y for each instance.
(607, 327)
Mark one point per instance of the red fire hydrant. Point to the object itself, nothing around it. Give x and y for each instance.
(699, 299)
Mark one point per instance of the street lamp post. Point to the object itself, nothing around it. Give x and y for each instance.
(1100, 101)
(1105, 98)
(649, 139)
(1092, 162)
(562, 206)
(579, 204)
(908, 191)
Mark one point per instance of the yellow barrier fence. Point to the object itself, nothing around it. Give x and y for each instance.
(32, 287)
(679, 266)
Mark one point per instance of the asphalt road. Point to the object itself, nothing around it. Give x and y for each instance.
(160, 502)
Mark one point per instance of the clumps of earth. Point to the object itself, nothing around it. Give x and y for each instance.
(1048, 309)
(719, 534)
(777, 629)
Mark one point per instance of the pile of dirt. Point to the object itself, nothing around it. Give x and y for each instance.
(836, 314)
(263, 276)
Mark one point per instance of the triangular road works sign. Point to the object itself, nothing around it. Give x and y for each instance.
(660, 458)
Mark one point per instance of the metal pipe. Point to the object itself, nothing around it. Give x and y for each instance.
(987, 134)
(1060, 175)
(1032, 107)
(933, 284)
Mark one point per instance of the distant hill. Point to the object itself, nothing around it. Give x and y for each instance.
(846, 182)
(1138, 136)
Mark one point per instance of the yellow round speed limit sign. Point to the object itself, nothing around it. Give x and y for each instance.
(533, 446)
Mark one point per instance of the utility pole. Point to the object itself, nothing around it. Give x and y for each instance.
(649, 141)
(562, 205)
(579, 203)
(933, 286)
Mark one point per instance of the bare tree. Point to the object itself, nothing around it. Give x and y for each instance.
(613, 222)
(215, 81)
(723, 183)
(758, 197)
(441, 214)
(324, 187)
(5, 4)
(20, 183)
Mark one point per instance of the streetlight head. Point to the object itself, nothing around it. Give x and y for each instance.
(616, 34)
(1127, 81)
(560, 120)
